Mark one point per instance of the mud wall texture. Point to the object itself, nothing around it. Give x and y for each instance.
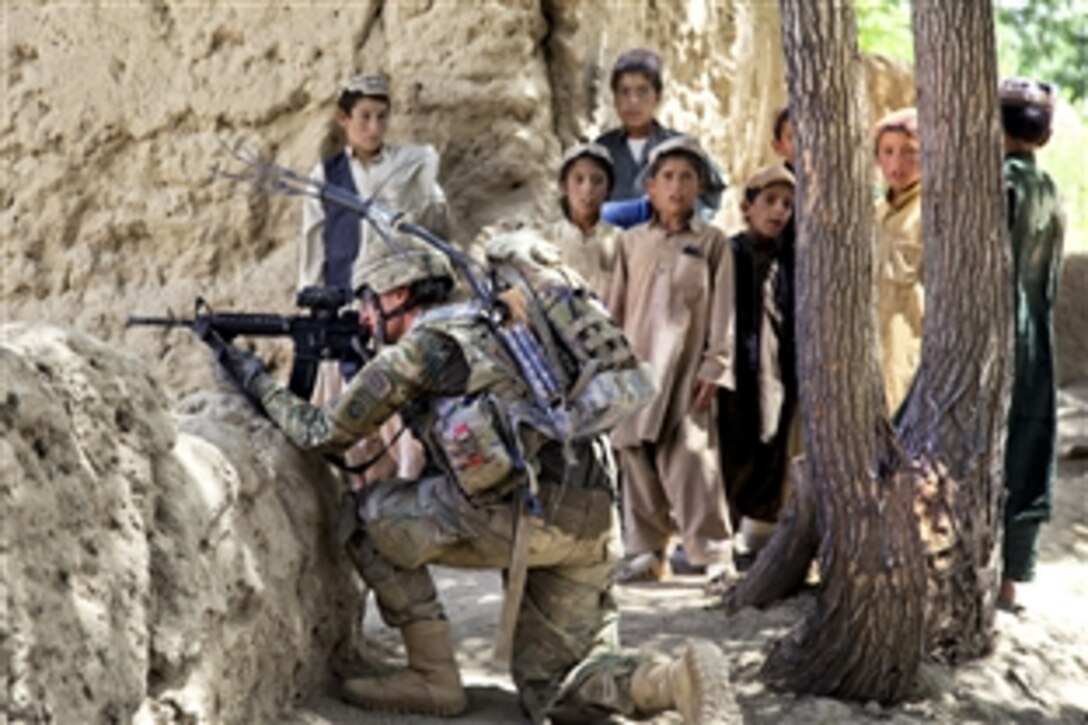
(158, 567)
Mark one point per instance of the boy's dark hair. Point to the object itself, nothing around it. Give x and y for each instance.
(698, 162)
(780, 120)
(1027, 108)
(1026, 123)
(594, 152)
(638, 60)
(750, 195)
(348, 99)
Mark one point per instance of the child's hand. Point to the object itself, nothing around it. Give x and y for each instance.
(704, 393)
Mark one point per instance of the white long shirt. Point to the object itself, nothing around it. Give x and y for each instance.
(404, 177)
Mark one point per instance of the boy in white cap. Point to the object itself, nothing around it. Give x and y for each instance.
(672, 292)
(404, 176)
(900, 273)
(587, 243)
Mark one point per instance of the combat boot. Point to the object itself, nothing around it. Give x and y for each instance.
(430, 685)
(696, 684)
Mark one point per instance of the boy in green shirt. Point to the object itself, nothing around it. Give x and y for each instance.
(1036, 228)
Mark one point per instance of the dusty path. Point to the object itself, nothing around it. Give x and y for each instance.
(1038, 672)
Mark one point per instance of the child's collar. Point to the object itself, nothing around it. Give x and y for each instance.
(375, 159)
(657, 132)
(898, 201)
(692, 224)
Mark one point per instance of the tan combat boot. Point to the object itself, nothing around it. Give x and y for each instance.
(696, 684)
(430, 685)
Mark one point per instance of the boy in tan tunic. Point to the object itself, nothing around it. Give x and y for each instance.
(900, 277)
(587, 243)
(672, 291)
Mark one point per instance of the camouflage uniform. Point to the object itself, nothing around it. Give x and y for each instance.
(568, 612)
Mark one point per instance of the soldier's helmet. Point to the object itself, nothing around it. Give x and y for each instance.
(384, 265)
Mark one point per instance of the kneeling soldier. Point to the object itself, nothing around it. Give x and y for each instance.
(448, 362)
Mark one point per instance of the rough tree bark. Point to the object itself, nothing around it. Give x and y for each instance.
(861, 478)
(865, 639)
(954, 425)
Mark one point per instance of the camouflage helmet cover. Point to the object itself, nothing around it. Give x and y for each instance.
(382, 265)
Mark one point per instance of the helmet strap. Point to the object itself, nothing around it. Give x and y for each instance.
(384, 316)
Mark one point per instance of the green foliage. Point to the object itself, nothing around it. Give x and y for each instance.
(1064, 158)
(884, 29)
(1046, 39)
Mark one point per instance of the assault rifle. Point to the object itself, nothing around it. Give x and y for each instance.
(542, 378)
(328, 332)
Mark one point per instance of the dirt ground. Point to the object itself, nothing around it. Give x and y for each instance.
(1038, 671)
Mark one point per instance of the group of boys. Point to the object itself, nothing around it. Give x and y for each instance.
(711, 315)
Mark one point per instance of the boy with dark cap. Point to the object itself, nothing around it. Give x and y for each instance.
(637, 87)
(1036, 228)
(756, 416)
(672, 292)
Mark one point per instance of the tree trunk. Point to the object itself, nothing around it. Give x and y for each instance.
(865, 639)
(954, 425)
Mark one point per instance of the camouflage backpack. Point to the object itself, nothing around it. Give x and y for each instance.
(600, 379)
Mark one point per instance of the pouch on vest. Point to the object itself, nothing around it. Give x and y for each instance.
(469, 433)
(602, 378)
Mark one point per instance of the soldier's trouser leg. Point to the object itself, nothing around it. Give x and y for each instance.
(395, 515)
(567, 612)
(567, 615)
(403, 595)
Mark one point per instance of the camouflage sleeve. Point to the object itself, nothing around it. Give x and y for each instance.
(419, 364)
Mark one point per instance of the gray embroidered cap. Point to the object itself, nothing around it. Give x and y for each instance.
(369, 84)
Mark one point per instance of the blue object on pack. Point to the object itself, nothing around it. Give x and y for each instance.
(627, 213)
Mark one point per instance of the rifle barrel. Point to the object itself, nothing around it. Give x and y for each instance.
(159, 321)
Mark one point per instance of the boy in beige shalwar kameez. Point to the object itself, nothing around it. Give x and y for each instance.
(672, 291)
(586, 242)
(900, 277)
